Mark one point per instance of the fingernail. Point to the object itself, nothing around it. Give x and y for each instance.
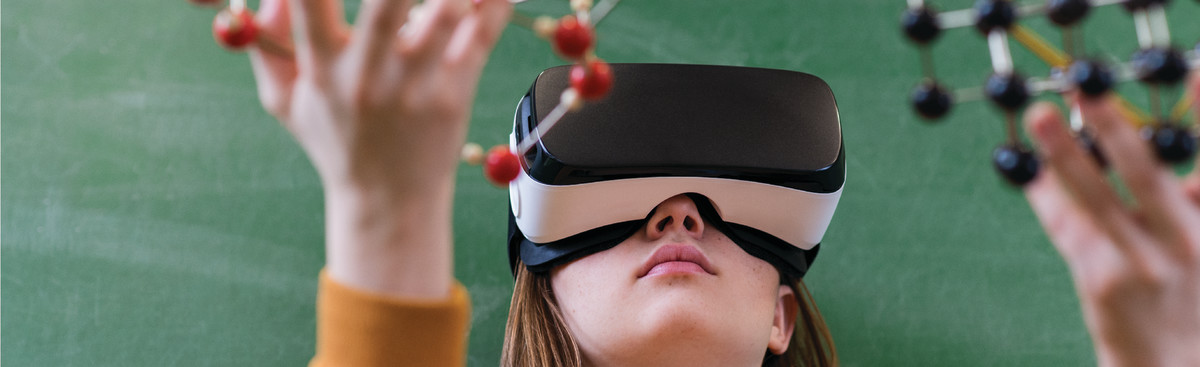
(1043, 124)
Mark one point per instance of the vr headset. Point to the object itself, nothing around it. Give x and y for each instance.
(758, 150)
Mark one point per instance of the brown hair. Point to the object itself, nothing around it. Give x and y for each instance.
(536, 335)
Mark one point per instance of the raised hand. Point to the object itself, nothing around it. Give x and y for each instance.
(1135, 260)
(381, 109)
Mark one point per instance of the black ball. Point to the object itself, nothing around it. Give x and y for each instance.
(1135, 5)
(930, 100)
(1173, 143)
(921, 25)
(1016, 163)
(1159, 65)
(992, 14)
(1007, 90)
(1067, 12)
(1091, 77)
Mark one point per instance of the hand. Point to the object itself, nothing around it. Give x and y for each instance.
(1135, 263)
(381, 109)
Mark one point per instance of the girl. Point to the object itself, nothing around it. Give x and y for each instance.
(382, 118)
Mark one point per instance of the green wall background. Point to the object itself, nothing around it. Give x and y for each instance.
(154, 215)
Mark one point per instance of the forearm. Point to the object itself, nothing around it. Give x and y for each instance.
(389, 241)
(364, 329)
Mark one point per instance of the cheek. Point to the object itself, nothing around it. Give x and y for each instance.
(585, 290)
(593, 299)
(579, 278)
(756, 289)
(756, 276)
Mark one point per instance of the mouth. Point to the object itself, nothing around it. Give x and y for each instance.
(676, 259)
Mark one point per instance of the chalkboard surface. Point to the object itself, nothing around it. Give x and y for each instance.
(154, 215)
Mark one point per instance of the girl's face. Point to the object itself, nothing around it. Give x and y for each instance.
(677, 292)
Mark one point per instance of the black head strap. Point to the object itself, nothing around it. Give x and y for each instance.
(783, 256)
(543, 257)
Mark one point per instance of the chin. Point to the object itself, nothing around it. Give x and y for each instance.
(684, 334)
(681, 314)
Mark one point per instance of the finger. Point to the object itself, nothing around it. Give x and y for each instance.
(375, 33)
(1157, 192)
(1194, 89)
(427, 39)
(1077, 239)
(1078, 175)
(274, 74)
(319, 29)
(1191, 184)
(1055, 210)
(477, 36)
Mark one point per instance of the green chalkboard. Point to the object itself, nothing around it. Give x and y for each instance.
(154, 215)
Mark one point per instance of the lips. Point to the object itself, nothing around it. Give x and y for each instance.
(676, 258)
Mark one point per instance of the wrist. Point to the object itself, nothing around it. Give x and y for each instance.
(390, 239)
(1164, 355)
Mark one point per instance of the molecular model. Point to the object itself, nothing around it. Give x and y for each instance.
(572, 37)
(1156, 64)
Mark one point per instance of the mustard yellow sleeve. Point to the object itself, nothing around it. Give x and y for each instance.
(356, 328)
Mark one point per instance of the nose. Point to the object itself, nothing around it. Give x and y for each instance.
(675, 215)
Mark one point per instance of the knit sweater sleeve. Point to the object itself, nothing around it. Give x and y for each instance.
(356, 328)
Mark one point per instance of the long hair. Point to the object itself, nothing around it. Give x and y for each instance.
(536, 335)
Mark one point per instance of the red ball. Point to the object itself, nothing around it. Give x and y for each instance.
(592, 80)
(572, 39)
(235, 29)
(501, 165)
